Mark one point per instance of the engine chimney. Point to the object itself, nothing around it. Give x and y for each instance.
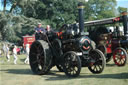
(125, 24)
(81, 17)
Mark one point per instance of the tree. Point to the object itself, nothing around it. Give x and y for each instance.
(121, 9)
(25, 14)
(13, 26)
(4, 5)
(53, 12)
(99, 9)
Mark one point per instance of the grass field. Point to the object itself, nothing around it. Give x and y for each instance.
(21, 74)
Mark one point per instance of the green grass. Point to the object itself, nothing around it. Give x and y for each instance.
(21, 74)
(3, 60)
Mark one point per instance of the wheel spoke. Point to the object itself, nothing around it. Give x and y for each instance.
(96, 68)
(99, 66)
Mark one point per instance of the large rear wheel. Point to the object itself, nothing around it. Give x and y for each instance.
(40, 57)
(120, 56)
(99, 61)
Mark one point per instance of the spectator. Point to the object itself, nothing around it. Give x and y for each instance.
(7, 53)
(4, 49)
(39, 30)
(27, 53)
(15, 54)
(0, 53)
(22, 49)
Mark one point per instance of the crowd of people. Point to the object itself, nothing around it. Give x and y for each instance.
(8, 50)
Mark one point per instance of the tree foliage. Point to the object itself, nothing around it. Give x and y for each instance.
(24, 15)
(53, 12)
(99, 9)
(122, 9)
(12, 28)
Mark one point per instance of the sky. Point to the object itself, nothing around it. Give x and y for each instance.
(122, 3)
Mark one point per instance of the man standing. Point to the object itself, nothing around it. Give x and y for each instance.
(7, 53)
(27, 53)
(0, 53)
(4, 49)
(15, 54)
(39, 30)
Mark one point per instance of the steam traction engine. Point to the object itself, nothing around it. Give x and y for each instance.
(68, 50)
(111, 43)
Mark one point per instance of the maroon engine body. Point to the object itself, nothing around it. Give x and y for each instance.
(111, 43)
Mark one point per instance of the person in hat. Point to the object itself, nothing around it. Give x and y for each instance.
(39, 30)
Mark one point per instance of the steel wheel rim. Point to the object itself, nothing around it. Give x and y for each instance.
(72, 64)
(97, 66)
(119, 57)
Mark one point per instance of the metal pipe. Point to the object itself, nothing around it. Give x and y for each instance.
(81, 17)
(125, 24)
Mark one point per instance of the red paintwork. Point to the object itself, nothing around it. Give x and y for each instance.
(28, 40)
(112, 44)
(109, 50)
(118, 57)
(116, 19)
(18, 50)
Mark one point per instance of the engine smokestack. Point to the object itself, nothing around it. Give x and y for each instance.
(125, 24)
(81, 17)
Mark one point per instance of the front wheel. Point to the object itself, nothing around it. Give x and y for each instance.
(120, 56)
(99, 61)
(72, 64)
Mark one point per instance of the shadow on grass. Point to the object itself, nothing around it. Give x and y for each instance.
(19, 71)
(111, 76)
(55, 75)
(111, 65)
(102, 76)
(22, 60)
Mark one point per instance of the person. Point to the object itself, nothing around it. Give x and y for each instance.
(15, 54)
(48, 28)
(7, 53)
(27, 53)
(4, 49)
(0, 53)
(22, 49)
(39, 30)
